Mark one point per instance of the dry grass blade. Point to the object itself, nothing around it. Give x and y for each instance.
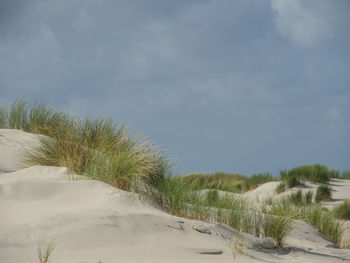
(45, 250)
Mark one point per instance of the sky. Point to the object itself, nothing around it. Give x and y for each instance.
(223, 85)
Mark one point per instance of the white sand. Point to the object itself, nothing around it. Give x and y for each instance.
(93, 222)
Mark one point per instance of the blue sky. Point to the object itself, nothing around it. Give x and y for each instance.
(231, 85)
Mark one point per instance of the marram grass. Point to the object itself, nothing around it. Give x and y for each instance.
(105, 151)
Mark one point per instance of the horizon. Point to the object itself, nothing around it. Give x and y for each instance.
(221, 85)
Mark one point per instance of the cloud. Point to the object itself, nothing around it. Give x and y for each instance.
(216, 81)
(308, 22)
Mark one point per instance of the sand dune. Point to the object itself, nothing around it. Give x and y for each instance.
(91, 222)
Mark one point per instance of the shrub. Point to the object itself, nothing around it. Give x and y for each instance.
(323, 193)
(342, 211)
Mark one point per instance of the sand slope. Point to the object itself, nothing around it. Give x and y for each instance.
(93, 222)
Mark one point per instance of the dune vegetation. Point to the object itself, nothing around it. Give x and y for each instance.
(235, 183)
(342, 211)
(102, 150)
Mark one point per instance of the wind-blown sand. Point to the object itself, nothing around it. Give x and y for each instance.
(91, 222)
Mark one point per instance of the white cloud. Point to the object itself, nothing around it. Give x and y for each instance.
(304, 22)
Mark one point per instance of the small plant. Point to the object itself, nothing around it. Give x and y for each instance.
(323, 193)
(45, 250)
(342, 211)
(237, 247)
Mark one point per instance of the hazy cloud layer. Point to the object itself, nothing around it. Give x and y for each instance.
(241, 86)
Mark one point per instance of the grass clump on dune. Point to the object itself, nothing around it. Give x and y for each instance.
(315, 173)
(295, 207)
(177, 196)
(218, 180)
(32, 117)
(98, 149)
(235, 183)
(342, 211)
(325, 221)
(323, 193)
(101, 150)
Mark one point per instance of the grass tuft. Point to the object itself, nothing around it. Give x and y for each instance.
(323, 193)
(45, 250)
(276, 227)
(342, 211)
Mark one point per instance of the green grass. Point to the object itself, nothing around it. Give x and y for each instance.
(316, 173)
(296, 198)
(258, 179)
(316, 215)
(342, 211)
(96, 148)
(323, 193)
(32, 117)
(218, 180)
(102, 151)
(276, 227)
(325, 221)
(234, 183)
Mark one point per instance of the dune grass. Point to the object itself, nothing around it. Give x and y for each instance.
(342, 211)
(32, 117)
(96, 148)
(323, 193)
(296, 207)
(177, 196)
(315, 173)
(102, 150)
(325, 221)
(235, 183)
